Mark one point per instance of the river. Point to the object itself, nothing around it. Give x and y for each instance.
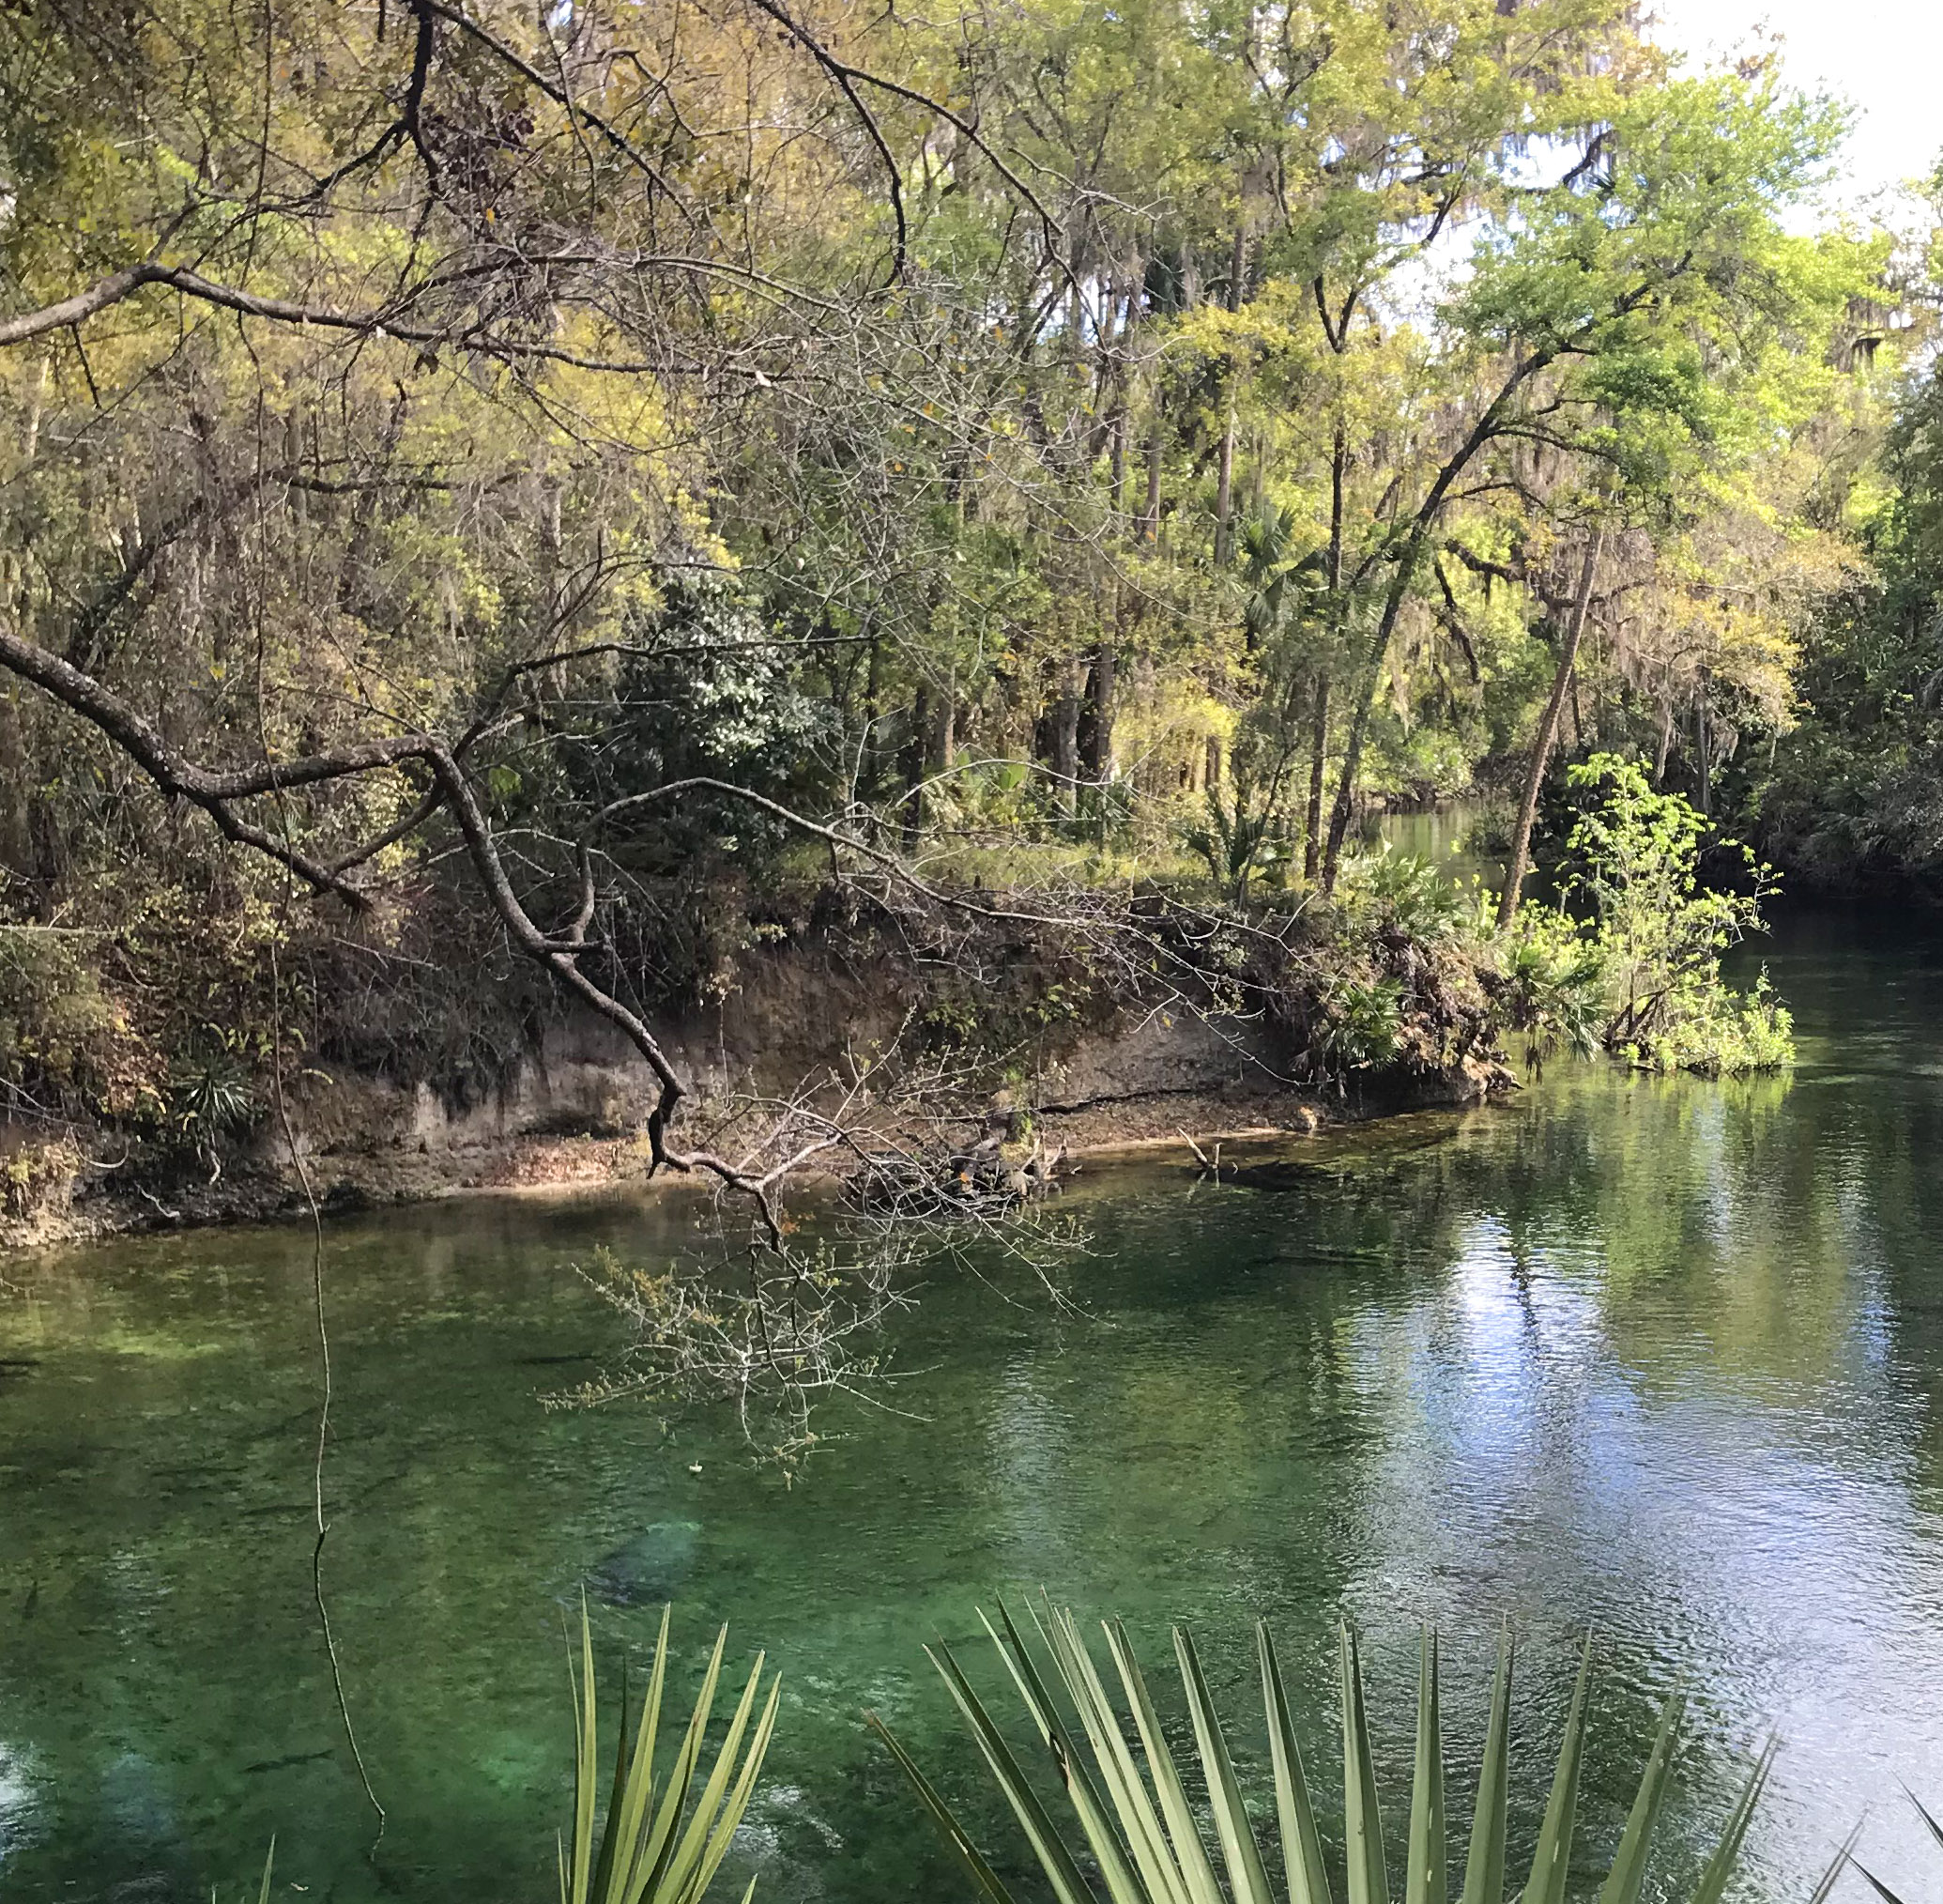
(1657, 1356)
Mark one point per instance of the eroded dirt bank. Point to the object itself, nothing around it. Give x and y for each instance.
(1031, 1031)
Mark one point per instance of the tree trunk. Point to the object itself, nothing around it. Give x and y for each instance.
(1318, 766)
(1363, 691)
(1700, 740)
(1065, 737)
(1149, 515)
(1224, 493)
(870, 753)
(944, 730)
(917, 747)
(1548, 731)
(1489, 426)
(1096, 718)
(16, 840)
(1076, 303)
(1318, 769)
(30, 437)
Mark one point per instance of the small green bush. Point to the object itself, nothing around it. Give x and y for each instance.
(1637, 939)
(1554, 985)
(1405, 893)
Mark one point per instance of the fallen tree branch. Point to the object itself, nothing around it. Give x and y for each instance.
(214, 792)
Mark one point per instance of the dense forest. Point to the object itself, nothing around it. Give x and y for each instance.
(518, 506)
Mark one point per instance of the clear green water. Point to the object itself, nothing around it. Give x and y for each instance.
(1662, 1357)
(1440, 834)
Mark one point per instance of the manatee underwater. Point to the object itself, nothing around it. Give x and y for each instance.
(649, 1569)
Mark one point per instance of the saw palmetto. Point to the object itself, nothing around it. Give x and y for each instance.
(1143, 1839)
(660, 1841)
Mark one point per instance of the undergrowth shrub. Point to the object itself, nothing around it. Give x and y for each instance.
(1633, 945)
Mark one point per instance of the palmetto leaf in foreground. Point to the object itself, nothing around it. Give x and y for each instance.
(1141, 1832)
(1846, 1857)
(660, 1842)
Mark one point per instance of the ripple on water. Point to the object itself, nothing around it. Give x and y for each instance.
(1659, 1358)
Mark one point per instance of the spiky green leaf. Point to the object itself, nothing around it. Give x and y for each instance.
(1302, 1845)
(1484, 1870)
(1095, 1823)
(1055, 1860)
(1369, 1880)
(1627, 1876)
(941, 1815)
(1552, 1859)
(1719, 1867)
(1248, 1877)
(1424, 1881)
(1184, 1831)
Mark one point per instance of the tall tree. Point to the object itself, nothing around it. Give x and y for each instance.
(1605, 318)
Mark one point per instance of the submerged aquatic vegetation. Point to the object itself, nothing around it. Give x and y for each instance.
(1143, 1831)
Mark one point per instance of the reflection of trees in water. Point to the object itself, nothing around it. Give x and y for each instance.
(1659, 1381)
(1426, 1372)
(1691, 1213)
(1694, 1215)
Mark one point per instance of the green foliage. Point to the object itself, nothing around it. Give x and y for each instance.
(1855, 791)
(212, 1097)
(1241, 837)
(1405, 894)
(1737, 1033)
(1088, 553)
(709, 689)
(1554, 985)
(1142, 1826)
(1359, 1023)
(1635, 927)
(63, 1043)
(660, 1841)
(163, 1026)
(33, 1172)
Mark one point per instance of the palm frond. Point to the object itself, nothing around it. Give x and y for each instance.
(660, 1843)
(1141, 1827)
(1552, 1860)
(1484, 1870)
(1425, 1878)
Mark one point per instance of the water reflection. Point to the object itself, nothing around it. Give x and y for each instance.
(1658, 1355)
(1445, 834)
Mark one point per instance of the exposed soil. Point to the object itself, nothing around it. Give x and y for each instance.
(1113, 1072)
(348, 1179)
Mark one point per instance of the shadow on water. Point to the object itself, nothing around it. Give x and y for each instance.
(1658, 1356)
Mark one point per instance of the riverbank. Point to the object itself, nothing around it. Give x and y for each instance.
(1090, 1018)
(85, 1202)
